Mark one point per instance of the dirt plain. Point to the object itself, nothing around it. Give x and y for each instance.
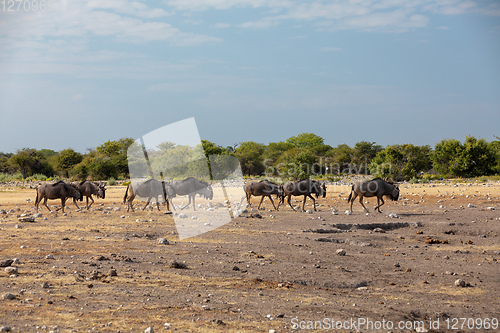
(104, 270)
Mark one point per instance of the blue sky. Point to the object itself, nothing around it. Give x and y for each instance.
(386, 71)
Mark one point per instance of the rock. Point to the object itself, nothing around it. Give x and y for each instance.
(490, 208)
(380, 230)
(471, 205)
(149, 330)
(37, 215)
(348, 212)
(309, 211)
(340, 252)
(46, 285)
(8, 296)
(49, 256)
(182, 216)
(5, 329)
(11, 270)
(236, 268)
(335, 212)
(393, 216)
(26, 219)
(6, 263)
(112, 272)
(163, 241)
(460, 283)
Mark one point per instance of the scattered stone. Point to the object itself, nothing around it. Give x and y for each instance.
(5, 329)
(6, 263)
(149, 330)
(49, 256)
(309, 211)
(26, 219)
(236, 268)
(46, 285)
(460, 283)
(490, 208)
(163, 241)
(393, 216)
(340, 252)
(11, 270)
(430, 240)
(182, 216)
(380, 230)
(178, 265)
(8, 296)
(335, 212)
(348, 212)
(256, 215)
(112, 272)
(471, 205)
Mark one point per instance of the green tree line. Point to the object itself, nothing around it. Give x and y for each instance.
(297, 157)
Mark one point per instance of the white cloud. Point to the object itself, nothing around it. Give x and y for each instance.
(222, 25)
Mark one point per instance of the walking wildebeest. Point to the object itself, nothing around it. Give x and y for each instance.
(59, 190)
(191, 187)
(87, 188)
(304, 187)
(264, 188)
(376, 187)
(151, 188)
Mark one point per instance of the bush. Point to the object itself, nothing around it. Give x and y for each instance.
(111, 181)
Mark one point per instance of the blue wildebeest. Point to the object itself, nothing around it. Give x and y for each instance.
(87, 188)
(151, 188)
(191, 187)
(304, 187)
(59, 190)
(264, 188)
(376, 187)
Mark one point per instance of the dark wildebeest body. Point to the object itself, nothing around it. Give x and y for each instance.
(59, 190)
(87, 188)
(151, 188)
(376, 187)
(191, 187)
(264, 188)
(304, 187)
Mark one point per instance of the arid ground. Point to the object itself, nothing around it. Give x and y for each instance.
(107, 270)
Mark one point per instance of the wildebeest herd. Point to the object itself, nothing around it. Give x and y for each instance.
(153, 188)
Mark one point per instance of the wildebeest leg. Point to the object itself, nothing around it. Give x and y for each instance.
(130, 203)
(314, 201)
(147, 203)
(273, 202)
(88, 207)
(45, 203)
(353, 198)
(248, 199)
(157, 204)
(194, 204)
(289, 203)
(76, 205)
(261, 199)
(304, 202)
(379, 204)
(362, 204)
(63, 202)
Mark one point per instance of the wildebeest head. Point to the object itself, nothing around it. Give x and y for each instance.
(319, 189)
(101, 191)
(323, 188)
(208, 192)
(395, 193)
